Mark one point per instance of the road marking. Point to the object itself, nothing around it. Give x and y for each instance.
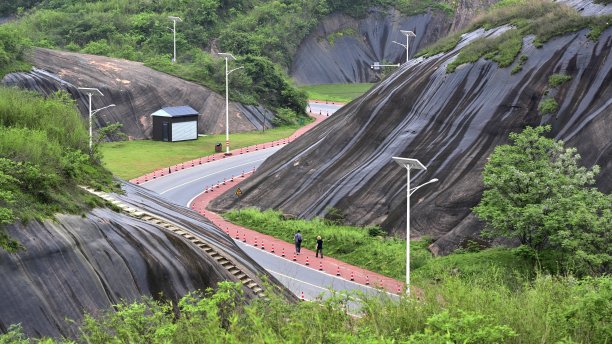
(297, 280)
(239, 242)
(206, 176)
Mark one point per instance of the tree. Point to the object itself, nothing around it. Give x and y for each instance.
(535, 191)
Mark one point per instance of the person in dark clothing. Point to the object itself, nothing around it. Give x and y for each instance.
(319, 247)
(298, 242)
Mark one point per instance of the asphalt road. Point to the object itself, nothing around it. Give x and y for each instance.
(183, 186)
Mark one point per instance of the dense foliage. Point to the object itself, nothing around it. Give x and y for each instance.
(43, 157)
(452, 310)
(536, 192)
(12, 49)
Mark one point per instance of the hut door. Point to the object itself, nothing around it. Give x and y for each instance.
(165, 131)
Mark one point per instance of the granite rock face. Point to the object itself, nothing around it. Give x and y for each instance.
(86, 264)
(137, 91)
(451, 123)
(342, 49)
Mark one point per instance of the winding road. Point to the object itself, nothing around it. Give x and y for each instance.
(183, 186)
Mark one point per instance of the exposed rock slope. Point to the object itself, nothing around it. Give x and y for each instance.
(451, 123)
(86, 264)
(341, 49)
(138, 91)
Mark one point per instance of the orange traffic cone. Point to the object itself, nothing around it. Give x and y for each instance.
(338, 271)
(294, 257)
(367, 280)
(272, 250)
(237, 234)
(320, 266)
(255, 244)
(352, 276)
(243, 237)
(303, 299)
(262, 245)
(307, 262)
(283, 252)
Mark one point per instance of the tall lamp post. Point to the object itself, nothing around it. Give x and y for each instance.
(227, 57)
(410, 164)
(174, 20)
(90, 91)
(408, 35)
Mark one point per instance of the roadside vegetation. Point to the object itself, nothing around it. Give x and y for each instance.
(453, 308)
(43, 159)
(342, 93)
(541, 18)
(130, 159)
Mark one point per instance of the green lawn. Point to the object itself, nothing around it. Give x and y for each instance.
(130, 159)
(343, 93)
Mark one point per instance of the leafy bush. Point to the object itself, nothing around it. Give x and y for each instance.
(557, 80)
(548, 106)
(462, 327)
(536, 192)
(502, 49)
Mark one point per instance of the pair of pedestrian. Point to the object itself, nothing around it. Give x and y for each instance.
(297, 238)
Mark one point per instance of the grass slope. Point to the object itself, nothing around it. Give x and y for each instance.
(43, 159)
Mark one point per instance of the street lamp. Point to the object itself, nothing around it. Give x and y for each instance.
(410, 164)
(90, 91)
(174, 20)
(227, 57)
(408, 35)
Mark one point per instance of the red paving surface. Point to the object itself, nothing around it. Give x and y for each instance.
(328, 265)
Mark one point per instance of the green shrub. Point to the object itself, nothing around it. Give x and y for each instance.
(557, 80)
(502, 49)
(548, 106)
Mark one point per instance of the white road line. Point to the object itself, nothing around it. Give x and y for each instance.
(212, 174)
(297, 280)
(238, 241)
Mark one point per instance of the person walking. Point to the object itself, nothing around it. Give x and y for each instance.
(298, 242)
(319, 247)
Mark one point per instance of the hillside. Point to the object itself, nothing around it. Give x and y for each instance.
(450, 121)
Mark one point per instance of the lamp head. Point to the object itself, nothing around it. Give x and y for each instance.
(412, 164)
(90, 90)
(227, 56)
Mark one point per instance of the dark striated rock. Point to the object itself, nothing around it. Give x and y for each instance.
(341, 49)
(138, 91)
(451, 123)
(85, 264)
